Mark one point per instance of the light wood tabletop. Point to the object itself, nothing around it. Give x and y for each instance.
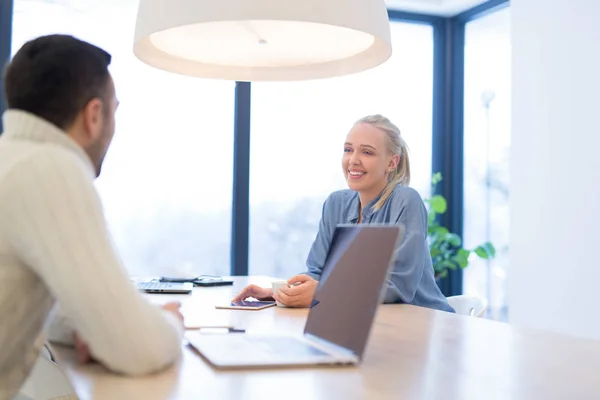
(413, 353)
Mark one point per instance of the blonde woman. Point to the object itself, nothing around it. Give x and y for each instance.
(377, 170)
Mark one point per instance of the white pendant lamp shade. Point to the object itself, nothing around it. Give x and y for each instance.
(263, 40)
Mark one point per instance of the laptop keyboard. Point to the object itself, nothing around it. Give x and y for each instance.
(154, 285)
(285, 346)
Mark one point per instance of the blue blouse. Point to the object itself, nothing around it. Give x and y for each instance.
(412, 279)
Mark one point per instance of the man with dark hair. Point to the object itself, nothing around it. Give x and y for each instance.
(54, 244)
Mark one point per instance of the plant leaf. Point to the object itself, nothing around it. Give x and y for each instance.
(486, 251)
(453, 239)
(447, 264)
(480, 251)
(438, 204)
(490, 249)
(431, 217)
(462, 257)
(442, 273)
(435, 252)
(438, 230)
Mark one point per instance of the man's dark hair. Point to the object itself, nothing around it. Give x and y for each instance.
(55, 76)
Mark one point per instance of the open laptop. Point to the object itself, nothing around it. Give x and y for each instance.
(340, 320)
(165, 287)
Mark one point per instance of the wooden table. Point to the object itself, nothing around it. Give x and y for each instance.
(413, 353)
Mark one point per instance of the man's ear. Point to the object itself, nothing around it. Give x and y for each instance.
(92, 119)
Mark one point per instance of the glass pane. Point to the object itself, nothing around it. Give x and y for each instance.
(298, 131)
(166, 181)
(486, 151)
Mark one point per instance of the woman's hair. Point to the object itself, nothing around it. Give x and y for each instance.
(395, 145)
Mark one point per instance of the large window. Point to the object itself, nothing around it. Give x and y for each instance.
(486, 152)
(298, 131)
(166, 181)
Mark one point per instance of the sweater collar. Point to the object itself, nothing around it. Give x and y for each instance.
(22, 125)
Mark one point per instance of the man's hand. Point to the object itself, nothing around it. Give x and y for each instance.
(257, 292)
(173, 307)
(299, 295)
(82, 350)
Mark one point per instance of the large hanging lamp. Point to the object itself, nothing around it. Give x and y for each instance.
(263, 40)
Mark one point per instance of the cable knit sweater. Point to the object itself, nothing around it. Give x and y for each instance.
(55, 247)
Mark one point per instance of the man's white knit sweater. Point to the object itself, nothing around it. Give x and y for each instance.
(55, 247)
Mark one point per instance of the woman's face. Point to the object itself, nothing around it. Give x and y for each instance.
(366, 162)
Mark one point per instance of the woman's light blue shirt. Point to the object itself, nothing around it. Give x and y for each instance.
(412, 279)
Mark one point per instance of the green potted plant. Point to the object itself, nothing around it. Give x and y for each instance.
(447, 251)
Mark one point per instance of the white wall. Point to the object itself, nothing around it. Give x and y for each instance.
(554, 281)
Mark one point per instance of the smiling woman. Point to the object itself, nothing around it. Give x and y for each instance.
(377, 171)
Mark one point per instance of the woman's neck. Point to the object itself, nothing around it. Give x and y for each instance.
(366, 197)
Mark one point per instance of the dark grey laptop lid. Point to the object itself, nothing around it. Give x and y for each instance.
(350, 287)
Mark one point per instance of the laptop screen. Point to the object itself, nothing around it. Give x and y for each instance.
(351, 284)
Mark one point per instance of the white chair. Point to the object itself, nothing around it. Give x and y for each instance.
(47, 381)
(469, 305)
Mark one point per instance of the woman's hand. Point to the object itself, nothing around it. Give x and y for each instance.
(257, 292)
(301, 294)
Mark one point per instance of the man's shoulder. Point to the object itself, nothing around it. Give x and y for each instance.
(28, 164)
(38, 157)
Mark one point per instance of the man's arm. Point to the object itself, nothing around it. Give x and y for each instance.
(60, 329)
(53, 218)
